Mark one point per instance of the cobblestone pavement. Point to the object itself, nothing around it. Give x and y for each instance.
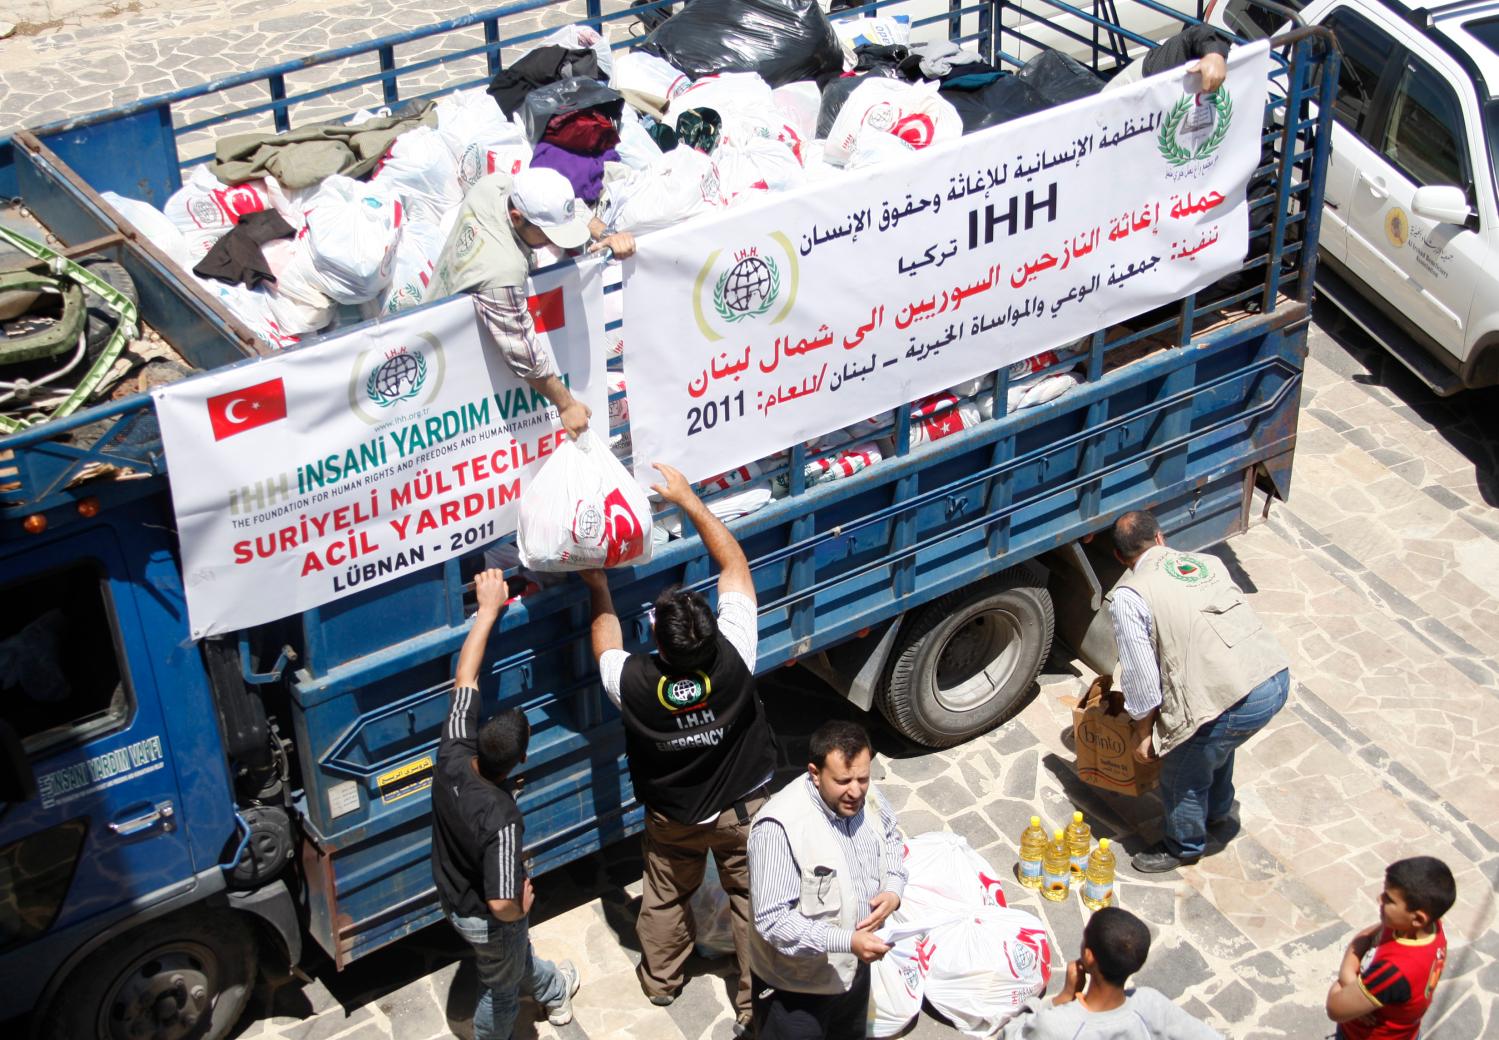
(1381, 577)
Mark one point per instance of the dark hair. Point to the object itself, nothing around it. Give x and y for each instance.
(502, 743)
(846, 738)
(686, 630)
(1425, 882)
(1119, 941)
(1134, 533)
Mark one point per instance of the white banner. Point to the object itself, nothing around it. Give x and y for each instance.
(320, 472)
(823, 307)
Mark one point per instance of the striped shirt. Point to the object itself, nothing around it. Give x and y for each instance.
(776, 879)
(1140, 678)
(478, 836)
(507, 324)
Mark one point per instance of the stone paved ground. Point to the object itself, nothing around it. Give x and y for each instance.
(1381, 576)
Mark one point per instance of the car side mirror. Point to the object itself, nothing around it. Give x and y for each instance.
(1443, 203)
(17, 780)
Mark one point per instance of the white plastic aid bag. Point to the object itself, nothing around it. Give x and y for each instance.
(205, 208)
(480, 138)
(681, 184)
(798, 104)
(353, 229)
(711, 916)
(729, 495)
(583, 510)
(416, 259)
(652, 79)
(985, 965)
(298, 302)
(755, 166)
(943, 865)
(913, 112)
(158, 228)
(727, 93)
(897, 981)
(421, 170)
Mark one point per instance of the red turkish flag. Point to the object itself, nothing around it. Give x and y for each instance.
(547, 311)
(241, 410)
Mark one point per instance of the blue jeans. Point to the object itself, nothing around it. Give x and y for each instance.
(507, 964)
(1197, 778)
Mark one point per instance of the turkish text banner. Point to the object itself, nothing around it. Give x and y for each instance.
(783, 321)
(321, 472)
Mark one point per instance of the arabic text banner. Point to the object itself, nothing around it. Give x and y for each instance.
(784, 321)
(321, 472)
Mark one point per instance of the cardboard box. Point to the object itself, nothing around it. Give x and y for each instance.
(1104, 737)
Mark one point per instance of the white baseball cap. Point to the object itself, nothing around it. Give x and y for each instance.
(545, 198)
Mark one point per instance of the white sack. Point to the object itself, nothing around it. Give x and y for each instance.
(755, 165)
(205, 208)
(619, 403)
(353, 229)
(942, 866)
(681, 184)
(158, 228)
(421, 170)
(416, 259)
(637, 148)
(897, 981)
(728, 496)
(481, 139)
(913, 112)
(985, 965)
(954, 420)
(728, 94)
(648, 77)
(583, 510)
(798, 104)
(253, 308)
(298, 302)
(875, 148)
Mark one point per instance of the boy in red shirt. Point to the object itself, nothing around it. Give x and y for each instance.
(1390, 969)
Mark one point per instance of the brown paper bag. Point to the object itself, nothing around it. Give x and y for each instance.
(1104, 736)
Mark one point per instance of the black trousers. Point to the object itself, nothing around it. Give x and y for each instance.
(781, 1015)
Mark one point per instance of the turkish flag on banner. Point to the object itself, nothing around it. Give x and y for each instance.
(547, 310)
(241, 410)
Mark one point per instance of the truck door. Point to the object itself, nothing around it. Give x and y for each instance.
(1426, 269)
(1366, 50)
(102, 829)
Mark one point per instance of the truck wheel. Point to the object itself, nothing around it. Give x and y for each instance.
(968, 660)
(186, 976)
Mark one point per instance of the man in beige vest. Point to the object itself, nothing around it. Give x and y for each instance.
(1200, 676)
(826, 868)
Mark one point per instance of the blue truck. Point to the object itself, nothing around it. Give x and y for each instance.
(177, 812)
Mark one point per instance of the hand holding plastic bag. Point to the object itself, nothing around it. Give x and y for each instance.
(583, 511)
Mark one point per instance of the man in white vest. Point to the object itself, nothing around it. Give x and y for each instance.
(826, 870)
(1200, 676)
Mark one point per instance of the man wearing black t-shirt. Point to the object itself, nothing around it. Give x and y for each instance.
(478, 843)
(701, 751)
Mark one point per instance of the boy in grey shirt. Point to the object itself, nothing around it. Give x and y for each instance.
(1094, 1004)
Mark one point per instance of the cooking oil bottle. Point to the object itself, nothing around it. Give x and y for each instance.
(1079, 844)
(1056, 868)
(1098, 882)
(1032, 852)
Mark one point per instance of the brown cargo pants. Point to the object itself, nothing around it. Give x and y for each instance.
(676, 854)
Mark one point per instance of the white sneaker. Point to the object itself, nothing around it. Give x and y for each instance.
(561, 1013)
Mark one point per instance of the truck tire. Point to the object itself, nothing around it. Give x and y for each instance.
(967, 661)
(185, 976)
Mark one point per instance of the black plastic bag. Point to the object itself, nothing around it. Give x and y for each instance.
(783, 40)
(1008, 97)
(1060, 79)
(836, 93)
(537, 69)
(568, 95)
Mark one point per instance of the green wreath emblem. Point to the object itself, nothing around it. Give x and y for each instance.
(371, 387)
(732, 316)
(1172, 150)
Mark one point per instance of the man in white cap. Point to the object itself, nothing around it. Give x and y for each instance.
(491, 250)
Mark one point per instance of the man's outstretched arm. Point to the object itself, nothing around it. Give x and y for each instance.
(734, 572)
(490, 587)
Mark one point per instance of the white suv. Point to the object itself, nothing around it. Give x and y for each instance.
(1411, 222)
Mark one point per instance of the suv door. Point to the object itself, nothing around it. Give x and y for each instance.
(1367, 50)
(101, 830)
(1429, 270)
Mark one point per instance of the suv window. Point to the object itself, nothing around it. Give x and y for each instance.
(1424, 135)
(1366, 50)
(59, 674)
